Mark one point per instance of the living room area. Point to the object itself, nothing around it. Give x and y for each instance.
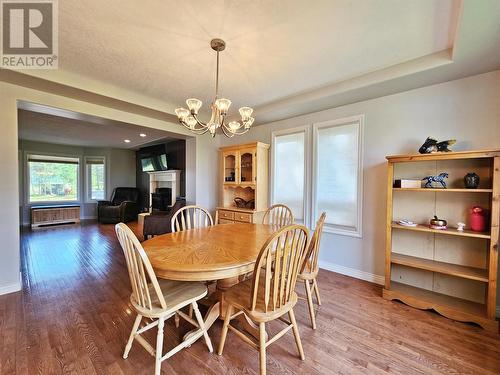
(75, 167)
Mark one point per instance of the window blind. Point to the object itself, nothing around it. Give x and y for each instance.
(338, 180)
(53, 159)
(94, 160)
(289, 172)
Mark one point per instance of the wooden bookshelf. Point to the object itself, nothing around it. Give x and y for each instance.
(452, 272)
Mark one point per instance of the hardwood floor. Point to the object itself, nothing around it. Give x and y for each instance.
(73, 317)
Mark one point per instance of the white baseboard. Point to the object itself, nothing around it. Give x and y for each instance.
(358, 274)
(10, 288)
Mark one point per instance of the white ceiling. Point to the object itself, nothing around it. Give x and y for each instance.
(82, 130)
(275, 48)
(283, 57)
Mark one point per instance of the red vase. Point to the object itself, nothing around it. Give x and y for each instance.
(478, 219)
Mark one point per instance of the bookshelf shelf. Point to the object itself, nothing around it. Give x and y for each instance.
(449, 231)
(438, 190)
(457, 270)
(449, 306)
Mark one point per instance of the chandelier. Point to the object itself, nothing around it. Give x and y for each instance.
(220, 106)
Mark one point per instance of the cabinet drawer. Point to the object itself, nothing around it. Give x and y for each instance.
(223, 214)
(242, 217)
(225, 221)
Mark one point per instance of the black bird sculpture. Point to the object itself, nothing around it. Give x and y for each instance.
(431, 145)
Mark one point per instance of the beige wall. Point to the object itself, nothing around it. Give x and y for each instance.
(203, 152)
(207, 169)
(466, 109)
(120, 171)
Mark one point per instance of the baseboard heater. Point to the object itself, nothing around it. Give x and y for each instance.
(43, 216)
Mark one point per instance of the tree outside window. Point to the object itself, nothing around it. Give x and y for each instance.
(52, 179)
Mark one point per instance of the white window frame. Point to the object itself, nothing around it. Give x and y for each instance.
(359, 120)
(27, 178)
(306, 129)
(88, 191)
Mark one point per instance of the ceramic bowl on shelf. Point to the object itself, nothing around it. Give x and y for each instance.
(437, 223)
(407, 223)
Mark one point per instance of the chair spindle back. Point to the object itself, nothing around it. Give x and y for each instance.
(310, 264)
(279, 262)
(279, 215)
(190, 217)
(139, 270)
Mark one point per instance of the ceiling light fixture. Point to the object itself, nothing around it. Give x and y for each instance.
(189, 117)
(126, 140)
(142, 135)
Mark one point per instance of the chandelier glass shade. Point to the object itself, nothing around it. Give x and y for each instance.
(220, 106)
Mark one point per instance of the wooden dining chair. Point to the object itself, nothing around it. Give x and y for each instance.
(309, 270)
(190, 217)
(270, 293)
(157, 300)
(279, 215)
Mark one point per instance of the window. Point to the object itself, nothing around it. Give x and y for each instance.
(289, 170)
(332, 182)
(52, 178)
(96, 178)
(338, 174)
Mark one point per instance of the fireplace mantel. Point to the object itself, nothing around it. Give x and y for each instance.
(170, 179)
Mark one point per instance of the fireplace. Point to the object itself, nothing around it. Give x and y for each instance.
(158, 181)
(161, 199)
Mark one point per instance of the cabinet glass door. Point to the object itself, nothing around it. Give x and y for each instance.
(230, 167)
(247, 166)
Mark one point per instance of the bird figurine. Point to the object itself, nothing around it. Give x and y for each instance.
(431, 145)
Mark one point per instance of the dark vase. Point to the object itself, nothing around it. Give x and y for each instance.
(471, 181)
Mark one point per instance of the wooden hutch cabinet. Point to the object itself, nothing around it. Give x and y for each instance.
(244, 178)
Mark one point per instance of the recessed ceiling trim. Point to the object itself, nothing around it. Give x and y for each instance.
(98, 87)
(379, 76)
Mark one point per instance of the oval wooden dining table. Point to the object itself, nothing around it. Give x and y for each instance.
(221, 252)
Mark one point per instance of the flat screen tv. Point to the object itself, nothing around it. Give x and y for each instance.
(154, 163)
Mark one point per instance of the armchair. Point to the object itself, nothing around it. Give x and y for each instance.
(122, 207)
(157, 223)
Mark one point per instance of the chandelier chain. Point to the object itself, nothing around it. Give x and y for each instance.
(217, 78)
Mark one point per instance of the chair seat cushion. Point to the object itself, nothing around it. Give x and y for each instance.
(112, 211)
(239, 296)
(177, 294)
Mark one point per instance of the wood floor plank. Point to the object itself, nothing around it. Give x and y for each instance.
(73, 317)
